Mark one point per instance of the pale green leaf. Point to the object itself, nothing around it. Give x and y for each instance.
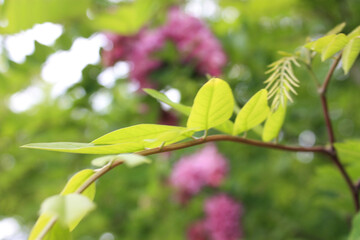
(335, 45)
(355, 229)
(354, 33)
(163, 98)
(87, 148)
(338, 28)
(350, 53)
(144, 133)
(274, 123)
(225, 127)
(23, 14)
(320, 44)
(213, 105)
(131, 160)
(57, 231)
(68, 209)
(349, 151)
(253, 113)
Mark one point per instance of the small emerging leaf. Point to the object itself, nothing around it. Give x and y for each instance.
(131, 160)
(338, 28)
(274, 123)
(87, 148)
(163, 98)
(213, 105)
(335, 45)
(321, 43)
(68, 209)
(350, 53)
(253, 113)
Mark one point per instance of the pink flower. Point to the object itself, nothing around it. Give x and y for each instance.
(222, 220)
(207, 167)
(195, 42)
(197, 231)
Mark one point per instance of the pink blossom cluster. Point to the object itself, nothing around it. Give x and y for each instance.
(206, 167)
(193, 40)
(222, 220)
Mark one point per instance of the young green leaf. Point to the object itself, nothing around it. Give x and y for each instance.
(355, 229)
(225, 127)
(87, 148)
(71, 186)
(274, 123)
(354, 33)
(253, 113)
(139, 133)
(57, 231)
(68, 209)
(320, 44)
(213, 105)
(350, 53)
(335, 45)
(163, 98)
(338, 28)
(131, 160)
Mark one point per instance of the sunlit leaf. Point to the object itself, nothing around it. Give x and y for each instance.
(320, 44)
(87, 148)
(57, 231)
(274, 123)
(225, 127)
(68, 209)
(213, 105)
(23, 14)
(163, 98)
(338, 28)
(253, 113)
(131, 160)
(335, 45)
(355, 229)
(354, 33)
(144, 133)
(350, 53)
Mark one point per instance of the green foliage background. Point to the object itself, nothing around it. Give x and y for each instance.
(283, 197)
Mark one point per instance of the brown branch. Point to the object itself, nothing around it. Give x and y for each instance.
(322, 91)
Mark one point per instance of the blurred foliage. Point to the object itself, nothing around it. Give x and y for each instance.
(285, 195)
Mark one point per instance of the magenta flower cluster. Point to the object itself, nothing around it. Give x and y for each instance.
(222, 220)
(206, 167)
(193, 40)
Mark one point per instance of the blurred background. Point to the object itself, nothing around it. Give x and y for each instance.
(73, 71)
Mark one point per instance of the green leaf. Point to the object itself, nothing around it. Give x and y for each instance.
(355, 229)
(354, 33)
(77, 180)
(163, 98)
(335, 45)
(68, 209)
(274, 123)
(349, 151)
(320, 44)
(225, 127)
(87, 148)
(19, 17)
(253, 113)
(350, 53)
(338, 28)
(131, 160)
(147, 133)
(128, 18)
(213, 105)
(57, 232)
